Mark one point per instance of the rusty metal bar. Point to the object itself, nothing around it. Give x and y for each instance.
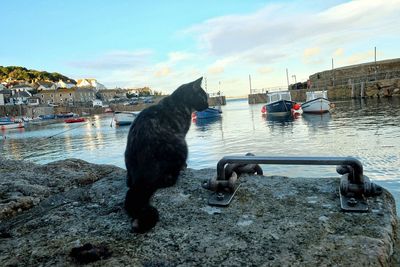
(356, 177)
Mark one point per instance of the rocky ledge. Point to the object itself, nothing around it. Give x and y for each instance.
(50, 213)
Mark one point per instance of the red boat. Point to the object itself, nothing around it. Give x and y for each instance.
(73, 120)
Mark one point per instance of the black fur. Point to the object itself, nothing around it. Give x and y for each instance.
(156, 150)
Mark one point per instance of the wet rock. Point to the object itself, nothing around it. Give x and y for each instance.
(272, 221)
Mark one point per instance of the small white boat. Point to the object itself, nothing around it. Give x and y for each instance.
(316, 102)
(122, 118)
(14, 125)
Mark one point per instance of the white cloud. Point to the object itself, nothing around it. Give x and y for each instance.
(360, 57)
(265, 34)
(265, 70)
(338, 52)
(115, 60)
(230, 47)
(163, 71)
(178, 56)
(311, 52)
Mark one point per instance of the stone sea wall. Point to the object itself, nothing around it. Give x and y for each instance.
(366, 72)
(376, 89)
(257, 98)
(48, 212)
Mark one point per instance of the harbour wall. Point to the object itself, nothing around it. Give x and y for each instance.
(363, 89)
(217, 101)
(366, 72)
(34, 111)
(257, 98)
(372, 79)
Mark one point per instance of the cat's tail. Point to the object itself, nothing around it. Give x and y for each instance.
(138, 207)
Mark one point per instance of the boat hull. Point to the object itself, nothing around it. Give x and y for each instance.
(74, 120)
(12, 126)
(208, 113)
(317, 106)
(280, 107)
(65, 115)
(124, 118)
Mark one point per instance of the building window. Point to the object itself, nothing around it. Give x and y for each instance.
(42, 96)
(60, 95)
(70, 94)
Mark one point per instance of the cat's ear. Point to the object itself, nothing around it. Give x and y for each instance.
(197, 83)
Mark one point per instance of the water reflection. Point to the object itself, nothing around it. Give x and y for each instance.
(206, 123)
(278, 118)
(317, 120)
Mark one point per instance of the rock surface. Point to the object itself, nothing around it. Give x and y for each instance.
(47, 210)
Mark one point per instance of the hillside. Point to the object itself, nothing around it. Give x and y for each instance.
(21, 73)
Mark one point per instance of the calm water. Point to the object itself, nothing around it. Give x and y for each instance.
(366, 129)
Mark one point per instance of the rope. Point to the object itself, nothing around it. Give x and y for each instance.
(73, 128)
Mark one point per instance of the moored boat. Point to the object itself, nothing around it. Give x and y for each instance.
(74, 120)
(6, 120)
(316, 102)
(47, 117)
(8, 123)
(279, 104)
(122, 118)
(207, 113)
(65, 115)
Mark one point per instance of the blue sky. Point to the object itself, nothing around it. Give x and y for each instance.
(163, 44)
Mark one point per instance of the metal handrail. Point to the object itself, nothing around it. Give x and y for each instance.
(357, 176)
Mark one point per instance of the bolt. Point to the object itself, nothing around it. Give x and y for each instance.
(220, 196)
(352, 202)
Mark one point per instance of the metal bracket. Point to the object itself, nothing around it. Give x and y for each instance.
(354, 186)
(222, 198)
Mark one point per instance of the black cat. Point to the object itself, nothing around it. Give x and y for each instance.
(156, 150)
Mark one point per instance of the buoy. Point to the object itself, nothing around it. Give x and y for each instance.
(296, 106)
(264, 109)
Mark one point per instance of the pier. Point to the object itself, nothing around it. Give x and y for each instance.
(272, 221)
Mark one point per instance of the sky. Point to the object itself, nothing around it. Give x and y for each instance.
(163, 44)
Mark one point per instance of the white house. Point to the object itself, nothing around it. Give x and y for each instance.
(90, 83)
(21, 88)
(46, 86)
(20, 97)
(62, 84)
(97, 103)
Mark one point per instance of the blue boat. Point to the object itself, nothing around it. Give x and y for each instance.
(47, 117)
(279, 103)
(207, 113)
(6, 120)
(64, 115)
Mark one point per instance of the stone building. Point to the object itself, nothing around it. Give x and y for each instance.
(84, 95)
(110, 94)
(60, 96)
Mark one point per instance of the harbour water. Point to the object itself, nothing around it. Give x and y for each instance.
(368, 129)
